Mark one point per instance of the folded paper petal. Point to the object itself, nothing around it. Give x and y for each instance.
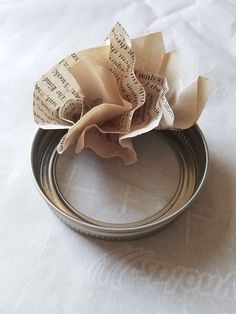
(171, 70)
(105, 145)
(55, 90)
(96, 116)
(191, 102)
(149, 52)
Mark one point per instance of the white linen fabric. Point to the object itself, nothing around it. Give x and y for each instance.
(45, 267)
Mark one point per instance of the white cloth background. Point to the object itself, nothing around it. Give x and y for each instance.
(45, 267)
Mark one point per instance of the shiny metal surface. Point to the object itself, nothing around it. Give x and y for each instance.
(190, 149)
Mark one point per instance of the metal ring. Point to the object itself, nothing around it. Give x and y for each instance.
(191, 150)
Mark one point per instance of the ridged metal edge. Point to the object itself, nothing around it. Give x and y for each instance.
(85, 228)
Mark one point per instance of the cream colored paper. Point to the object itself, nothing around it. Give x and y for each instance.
(107, 95)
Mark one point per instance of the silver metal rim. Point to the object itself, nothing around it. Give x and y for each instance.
(187, 150)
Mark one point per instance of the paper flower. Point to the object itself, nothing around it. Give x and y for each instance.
(107, 95)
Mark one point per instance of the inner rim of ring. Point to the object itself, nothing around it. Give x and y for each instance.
(190, 141)
(187, 179)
